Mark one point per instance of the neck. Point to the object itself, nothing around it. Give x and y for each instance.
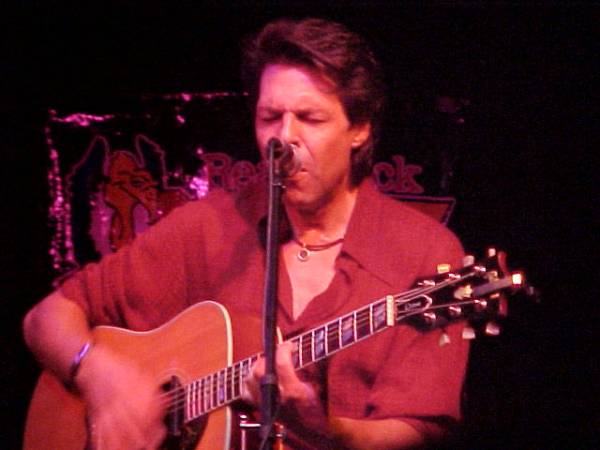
(324, 224)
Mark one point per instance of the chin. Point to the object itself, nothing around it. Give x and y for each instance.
(296, 198)
(302, 200)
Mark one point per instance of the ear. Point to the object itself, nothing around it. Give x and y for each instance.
(362, 131)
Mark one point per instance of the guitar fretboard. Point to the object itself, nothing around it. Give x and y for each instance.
(214, 390)
(338, 334)
(225, 386)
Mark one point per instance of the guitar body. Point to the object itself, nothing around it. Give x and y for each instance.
(196, 342)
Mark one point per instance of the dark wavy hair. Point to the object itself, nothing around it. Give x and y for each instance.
(336, 53)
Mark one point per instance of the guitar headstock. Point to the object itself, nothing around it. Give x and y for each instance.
(476, 293)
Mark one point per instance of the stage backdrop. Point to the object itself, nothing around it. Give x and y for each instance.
(113, 174)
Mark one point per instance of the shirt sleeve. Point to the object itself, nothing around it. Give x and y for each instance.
(144, 283)
(422, 378)
(403, 373)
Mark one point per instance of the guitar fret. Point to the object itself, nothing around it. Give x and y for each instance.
(379, 315)
(333, 336)
(348, 330)
(296, 355)
(237, 380)
(214, 387)
(199, 397)
(222, 388)
(363, 323)
(240, 378)
(206, 393)
(188, 402)
(320, 350)
(228, 384)
(194, 405)
(306, 349)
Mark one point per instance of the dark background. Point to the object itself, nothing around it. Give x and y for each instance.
(524, 181)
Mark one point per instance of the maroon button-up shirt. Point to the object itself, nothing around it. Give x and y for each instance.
(211, 250)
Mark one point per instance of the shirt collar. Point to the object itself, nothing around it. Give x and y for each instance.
(372, 236)
(371, 239)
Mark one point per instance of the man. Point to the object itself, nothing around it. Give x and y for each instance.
(315, 85)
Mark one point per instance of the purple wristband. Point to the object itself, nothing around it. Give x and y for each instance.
(76, 363)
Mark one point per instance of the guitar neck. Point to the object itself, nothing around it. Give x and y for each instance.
(343, 332)
(225, 386)
(319, 343)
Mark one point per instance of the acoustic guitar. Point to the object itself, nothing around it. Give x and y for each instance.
(201, 381)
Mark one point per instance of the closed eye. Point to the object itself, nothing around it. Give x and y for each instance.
(311, 118)
(269, 119)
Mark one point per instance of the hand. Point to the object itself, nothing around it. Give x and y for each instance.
(291, 389)
(301, 409)
(124, 406)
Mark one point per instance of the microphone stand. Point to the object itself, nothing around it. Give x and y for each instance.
(268, 384)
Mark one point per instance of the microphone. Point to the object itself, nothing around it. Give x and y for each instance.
(286, 157)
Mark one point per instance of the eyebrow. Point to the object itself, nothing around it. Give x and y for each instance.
(301, 110)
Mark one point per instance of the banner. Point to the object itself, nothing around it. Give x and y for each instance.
(113, 175)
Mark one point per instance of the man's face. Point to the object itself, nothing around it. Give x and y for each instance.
(300, 107)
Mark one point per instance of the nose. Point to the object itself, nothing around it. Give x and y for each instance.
(289, 129)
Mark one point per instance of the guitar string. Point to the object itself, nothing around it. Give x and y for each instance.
(331, 333)
(178, 396)
(232, 382)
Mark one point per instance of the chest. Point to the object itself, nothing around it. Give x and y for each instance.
(309, 276)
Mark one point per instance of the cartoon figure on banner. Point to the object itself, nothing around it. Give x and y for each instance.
(116, 195)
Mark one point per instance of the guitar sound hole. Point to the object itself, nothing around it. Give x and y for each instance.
(180, 435)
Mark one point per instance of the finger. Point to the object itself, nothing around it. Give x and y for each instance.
(250, 390)
(291, 387)
(285, 368)
(249, 394)
(258, 369)
(119, 430)
(158, 436)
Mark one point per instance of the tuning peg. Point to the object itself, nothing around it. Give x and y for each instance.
(468, 260)
(454, 311)
(468, 333)
(492, 329)
(480, 305)
(444, 339)
(429, 318)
